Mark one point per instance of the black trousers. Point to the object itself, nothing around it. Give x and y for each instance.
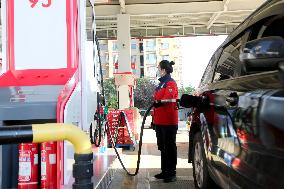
(166, 140)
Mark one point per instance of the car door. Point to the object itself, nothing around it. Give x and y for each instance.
(218, 138)
(220, 130)
(258, 121)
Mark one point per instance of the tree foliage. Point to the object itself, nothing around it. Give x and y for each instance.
(143, 94)
(185, 90)
(110, 93)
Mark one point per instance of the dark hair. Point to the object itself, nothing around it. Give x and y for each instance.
(168, 66)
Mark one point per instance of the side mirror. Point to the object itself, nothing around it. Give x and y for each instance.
(263, 54)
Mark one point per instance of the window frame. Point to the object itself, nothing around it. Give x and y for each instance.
(243, 36)
(216, 57)
(163, 47)
(133, 46)
(151, 60)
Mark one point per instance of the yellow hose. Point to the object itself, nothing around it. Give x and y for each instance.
(59, 131)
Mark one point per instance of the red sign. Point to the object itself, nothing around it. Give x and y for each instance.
(46, 4)
(133, 66)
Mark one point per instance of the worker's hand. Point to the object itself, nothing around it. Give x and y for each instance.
(157, 104)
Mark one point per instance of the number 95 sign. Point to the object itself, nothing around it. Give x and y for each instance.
(43, 3)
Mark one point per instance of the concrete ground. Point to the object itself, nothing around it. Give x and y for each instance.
(150, 165)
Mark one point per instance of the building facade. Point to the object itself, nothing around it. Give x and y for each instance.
(145, 55)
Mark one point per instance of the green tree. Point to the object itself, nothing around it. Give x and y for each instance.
(185, 90)
(110, 93)
(143, 94)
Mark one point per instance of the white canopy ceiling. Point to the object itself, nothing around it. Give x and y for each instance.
(152, 18)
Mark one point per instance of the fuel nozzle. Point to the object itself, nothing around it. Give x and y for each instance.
(190, 101)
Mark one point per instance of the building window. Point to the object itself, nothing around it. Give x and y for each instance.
(114, 46)
(133, 45)
(103, 47)
(115, 58)
(104, 59)
(133, 59)
(151, 45)
(165, 57)
(151, 71)
(151, 58)
(141, 72)
(141, 60)
(165, 46)
(141, 47)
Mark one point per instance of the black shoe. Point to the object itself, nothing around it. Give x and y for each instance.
(159, 176)
(170, 179)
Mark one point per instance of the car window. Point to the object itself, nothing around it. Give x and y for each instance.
(208, 73)
(229, 65)
(257, 28)
(271, 26)
(274, 27)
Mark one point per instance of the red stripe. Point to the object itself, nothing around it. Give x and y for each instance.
(10, 35)
(77, 34)
(35, 77)
(72, 62)
(130, 73)
(63, 98)
(72, 33)
(69, 33)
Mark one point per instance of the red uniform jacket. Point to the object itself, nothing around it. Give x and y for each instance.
(167, 114)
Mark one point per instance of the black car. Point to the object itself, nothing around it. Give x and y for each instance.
(236, 139)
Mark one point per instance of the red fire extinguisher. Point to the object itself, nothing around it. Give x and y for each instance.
(28, 166)
(48, 165)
